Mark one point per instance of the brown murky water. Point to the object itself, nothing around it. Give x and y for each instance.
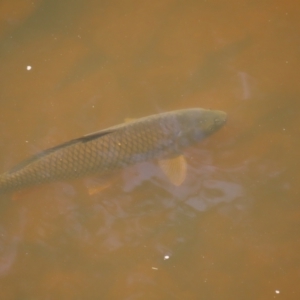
(231, 231)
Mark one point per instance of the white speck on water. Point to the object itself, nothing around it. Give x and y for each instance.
(26, 142)
(153, 268)
(28, 68)
(166, 257)
(277, 291)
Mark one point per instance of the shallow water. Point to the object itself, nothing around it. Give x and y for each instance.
(230, 231)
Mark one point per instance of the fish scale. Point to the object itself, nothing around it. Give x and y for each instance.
(154, 137)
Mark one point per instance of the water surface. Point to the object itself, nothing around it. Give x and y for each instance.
(231, 230)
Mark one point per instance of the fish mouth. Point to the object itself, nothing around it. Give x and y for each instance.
(220, 119)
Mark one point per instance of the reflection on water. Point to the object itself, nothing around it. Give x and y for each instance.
(230, 231)
(8, 252)
(226, 192)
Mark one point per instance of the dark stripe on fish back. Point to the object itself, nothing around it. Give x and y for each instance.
(44, 153)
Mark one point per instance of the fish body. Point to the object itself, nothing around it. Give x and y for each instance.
(161, 136)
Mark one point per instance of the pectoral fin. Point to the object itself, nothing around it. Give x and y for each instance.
(96, 185)
(174, 168)
(93, 190)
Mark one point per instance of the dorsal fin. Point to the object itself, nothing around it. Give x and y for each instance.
(46, 152)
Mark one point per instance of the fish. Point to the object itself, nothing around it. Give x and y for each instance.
(161, 137)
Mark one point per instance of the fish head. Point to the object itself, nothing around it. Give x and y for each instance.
(198, 123)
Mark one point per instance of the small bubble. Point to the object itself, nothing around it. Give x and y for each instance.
(28, 68)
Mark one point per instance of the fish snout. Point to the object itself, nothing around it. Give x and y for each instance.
(220, 119)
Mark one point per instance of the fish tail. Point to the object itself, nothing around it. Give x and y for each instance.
(2, 184)
(6, 184)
